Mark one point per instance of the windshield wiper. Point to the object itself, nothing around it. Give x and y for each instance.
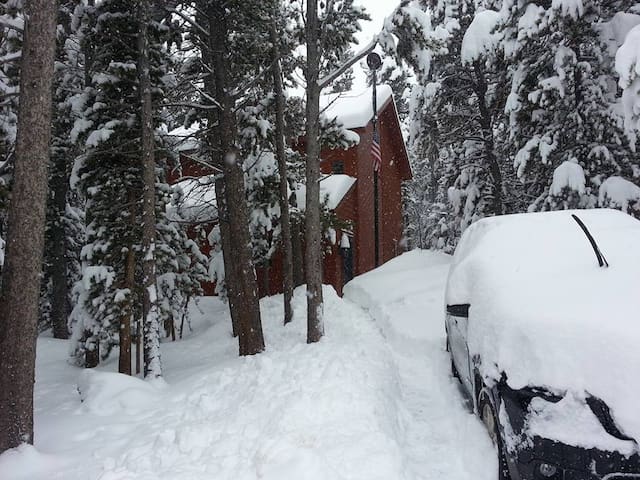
(601, 260)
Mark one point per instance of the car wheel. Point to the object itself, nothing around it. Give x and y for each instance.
(489, 417)
(454, 370)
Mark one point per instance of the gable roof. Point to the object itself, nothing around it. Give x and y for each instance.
(354, 109)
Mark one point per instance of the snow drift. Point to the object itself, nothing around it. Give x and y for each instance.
(309, 412)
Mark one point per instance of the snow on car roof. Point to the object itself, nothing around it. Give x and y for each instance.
(545, 313)
(354, 109)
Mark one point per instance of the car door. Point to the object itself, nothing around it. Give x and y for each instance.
(457, 325)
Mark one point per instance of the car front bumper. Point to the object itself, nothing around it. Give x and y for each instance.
(571, 463)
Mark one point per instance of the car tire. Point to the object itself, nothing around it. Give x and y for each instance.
(489, 417)
(454, 370)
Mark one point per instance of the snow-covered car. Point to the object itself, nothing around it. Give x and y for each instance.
(543, 326)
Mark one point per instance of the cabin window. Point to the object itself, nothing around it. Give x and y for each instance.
(337, 167)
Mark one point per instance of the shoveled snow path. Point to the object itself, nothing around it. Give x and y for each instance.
(443, 439)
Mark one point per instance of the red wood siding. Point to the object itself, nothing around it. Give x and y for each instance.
(390, 187)
(357, 205)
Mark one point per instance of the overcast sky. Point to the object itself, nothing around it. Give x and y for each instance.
(378, 10)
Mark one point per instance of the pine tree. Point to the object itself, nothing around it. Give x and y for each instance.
(566, 137)
(236, 27)
(288, 269)
(456, 113)
(109, 295)
(328, 29)
(150, 316)
(11, 29)
(64, 232)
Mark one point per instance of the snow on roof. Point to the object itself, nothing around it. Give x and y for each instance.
(333, 188)
(197, 202)
(543, 312)
(354, 109)
(184, 139)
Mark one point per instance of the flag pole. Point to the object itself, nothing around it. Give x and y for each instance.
(375, 62)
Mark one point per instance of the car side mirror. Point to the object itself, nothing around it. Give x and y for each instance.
(459, 310)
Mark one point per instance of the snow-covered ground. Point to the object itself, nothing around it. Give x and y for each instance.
(372, 400)
(443, 439)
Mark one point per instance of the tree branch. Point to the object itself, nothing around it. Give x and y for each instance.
(329, 78)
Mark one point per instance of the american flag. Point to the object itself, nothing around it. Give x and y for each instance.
(376, 153)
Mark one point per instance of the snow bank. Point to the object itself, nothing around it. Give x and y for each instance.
(544, 312)
(106, 393)
(408, 282)
(405, 296)
(26, 463)
(326, 411)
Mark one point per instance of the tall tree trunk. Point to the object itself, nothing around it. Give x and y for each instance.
(230, 275)
(19, 297)
(313, 228)
(296, 239)
(281, 155)
(58, 267)
(486, 123)
(297, 252)
(230, 193)
(151, 320)
(124, 359)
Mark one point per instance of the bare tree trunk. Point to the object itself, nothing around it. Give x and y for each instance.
(296, 244)
(58, 268)
(231, 276)
(92, 352)
(313, 230)
(285, 224)
(124, 360)
(138, 334)
(230, 193)
(19, 297)
(151, 320)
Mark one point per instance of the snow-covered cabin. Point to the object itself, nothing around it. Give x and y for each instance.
(348, 186)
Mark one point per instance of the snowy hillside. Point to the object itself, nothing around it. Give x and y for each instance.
(372, 400)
